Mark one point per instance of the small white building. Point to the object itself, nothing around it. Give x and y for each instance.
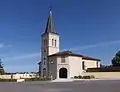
(67, 64)
(61, 64)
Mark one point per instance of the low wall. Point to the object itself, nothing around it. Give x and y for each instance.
(17, 76)
(103, 74)
(5, 76)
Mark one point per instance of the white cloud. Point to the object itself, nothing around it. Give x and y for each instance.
(95, 45)
(24, 56)
(33, 55)
(2, 45)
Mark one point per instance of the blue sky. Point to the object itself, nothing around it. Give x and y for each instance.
(89, 27)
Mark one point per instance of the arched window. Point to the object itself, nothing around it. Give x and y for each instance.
(52, 42)
(44, 42)
(44, 72)
(55, 43)
(83, 65)
(44, 62)
(97, 64)
(44, 50)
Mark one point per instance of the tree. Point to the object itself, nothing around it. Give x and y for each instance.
(116, 59)
(1, 68)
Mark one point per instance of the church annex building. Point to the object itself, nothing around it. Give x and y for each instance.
(61, 64)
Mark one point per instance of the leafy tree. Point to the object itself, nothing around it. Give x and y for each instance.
(1, 68)
(116, 59)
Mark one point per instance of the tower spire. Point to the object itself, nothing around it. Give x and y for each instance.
(50, 10)
(50, 25)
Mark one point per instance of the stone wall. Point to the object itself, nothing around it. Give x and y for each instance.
(103, 74)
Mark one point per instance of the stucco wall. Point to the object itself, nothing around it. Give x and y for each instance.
(91, 63)
(53, 49)
(48, 49)
(75, 64)
(63, 65)
(53, 67)
(103, 74)
(5, 76)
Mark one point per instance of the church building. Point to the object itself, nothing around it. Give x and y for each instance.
(61, 64)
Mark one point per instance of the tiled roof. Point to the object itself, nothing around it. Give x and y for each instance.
(70, 53)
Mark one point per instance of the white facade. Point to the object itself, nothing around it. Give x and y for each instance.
(61, 64)
(91, 64)
(50, 45)
(73, 65)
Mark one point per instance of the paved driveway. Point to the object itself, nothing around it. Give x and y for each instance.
(78, 86)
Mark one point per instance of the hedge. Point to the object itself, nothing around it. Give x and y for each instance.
(84, 77)
(8, 80)
(37, 79)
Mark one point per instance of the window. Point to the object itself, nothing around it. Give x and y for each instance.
(44, 58)
(44, 42)
(51, 62)
(44, 62)
(44, 50)
(83, 65)
(97, 64)
(52, 42)
(55, 43)
(62, 59)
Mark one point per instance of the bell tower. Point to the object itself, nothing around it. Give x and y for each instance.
(49, 44)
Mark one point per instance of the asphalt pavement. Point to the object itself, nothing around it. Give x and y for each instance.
(76, 86)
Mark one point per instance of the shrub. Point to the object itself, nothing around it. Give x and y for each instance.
(8, 80)
(80, 77)
(92, 76)
(86, 77)
(37, 79)
(76, 77)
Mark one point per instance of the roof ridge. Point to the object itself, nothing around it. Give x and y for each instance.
(73, 54)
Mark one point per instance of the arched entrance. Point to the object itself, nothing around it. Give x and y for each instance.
(63, 73)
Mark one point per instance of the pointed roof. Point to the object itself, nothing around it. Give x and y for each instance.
(50, 25)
